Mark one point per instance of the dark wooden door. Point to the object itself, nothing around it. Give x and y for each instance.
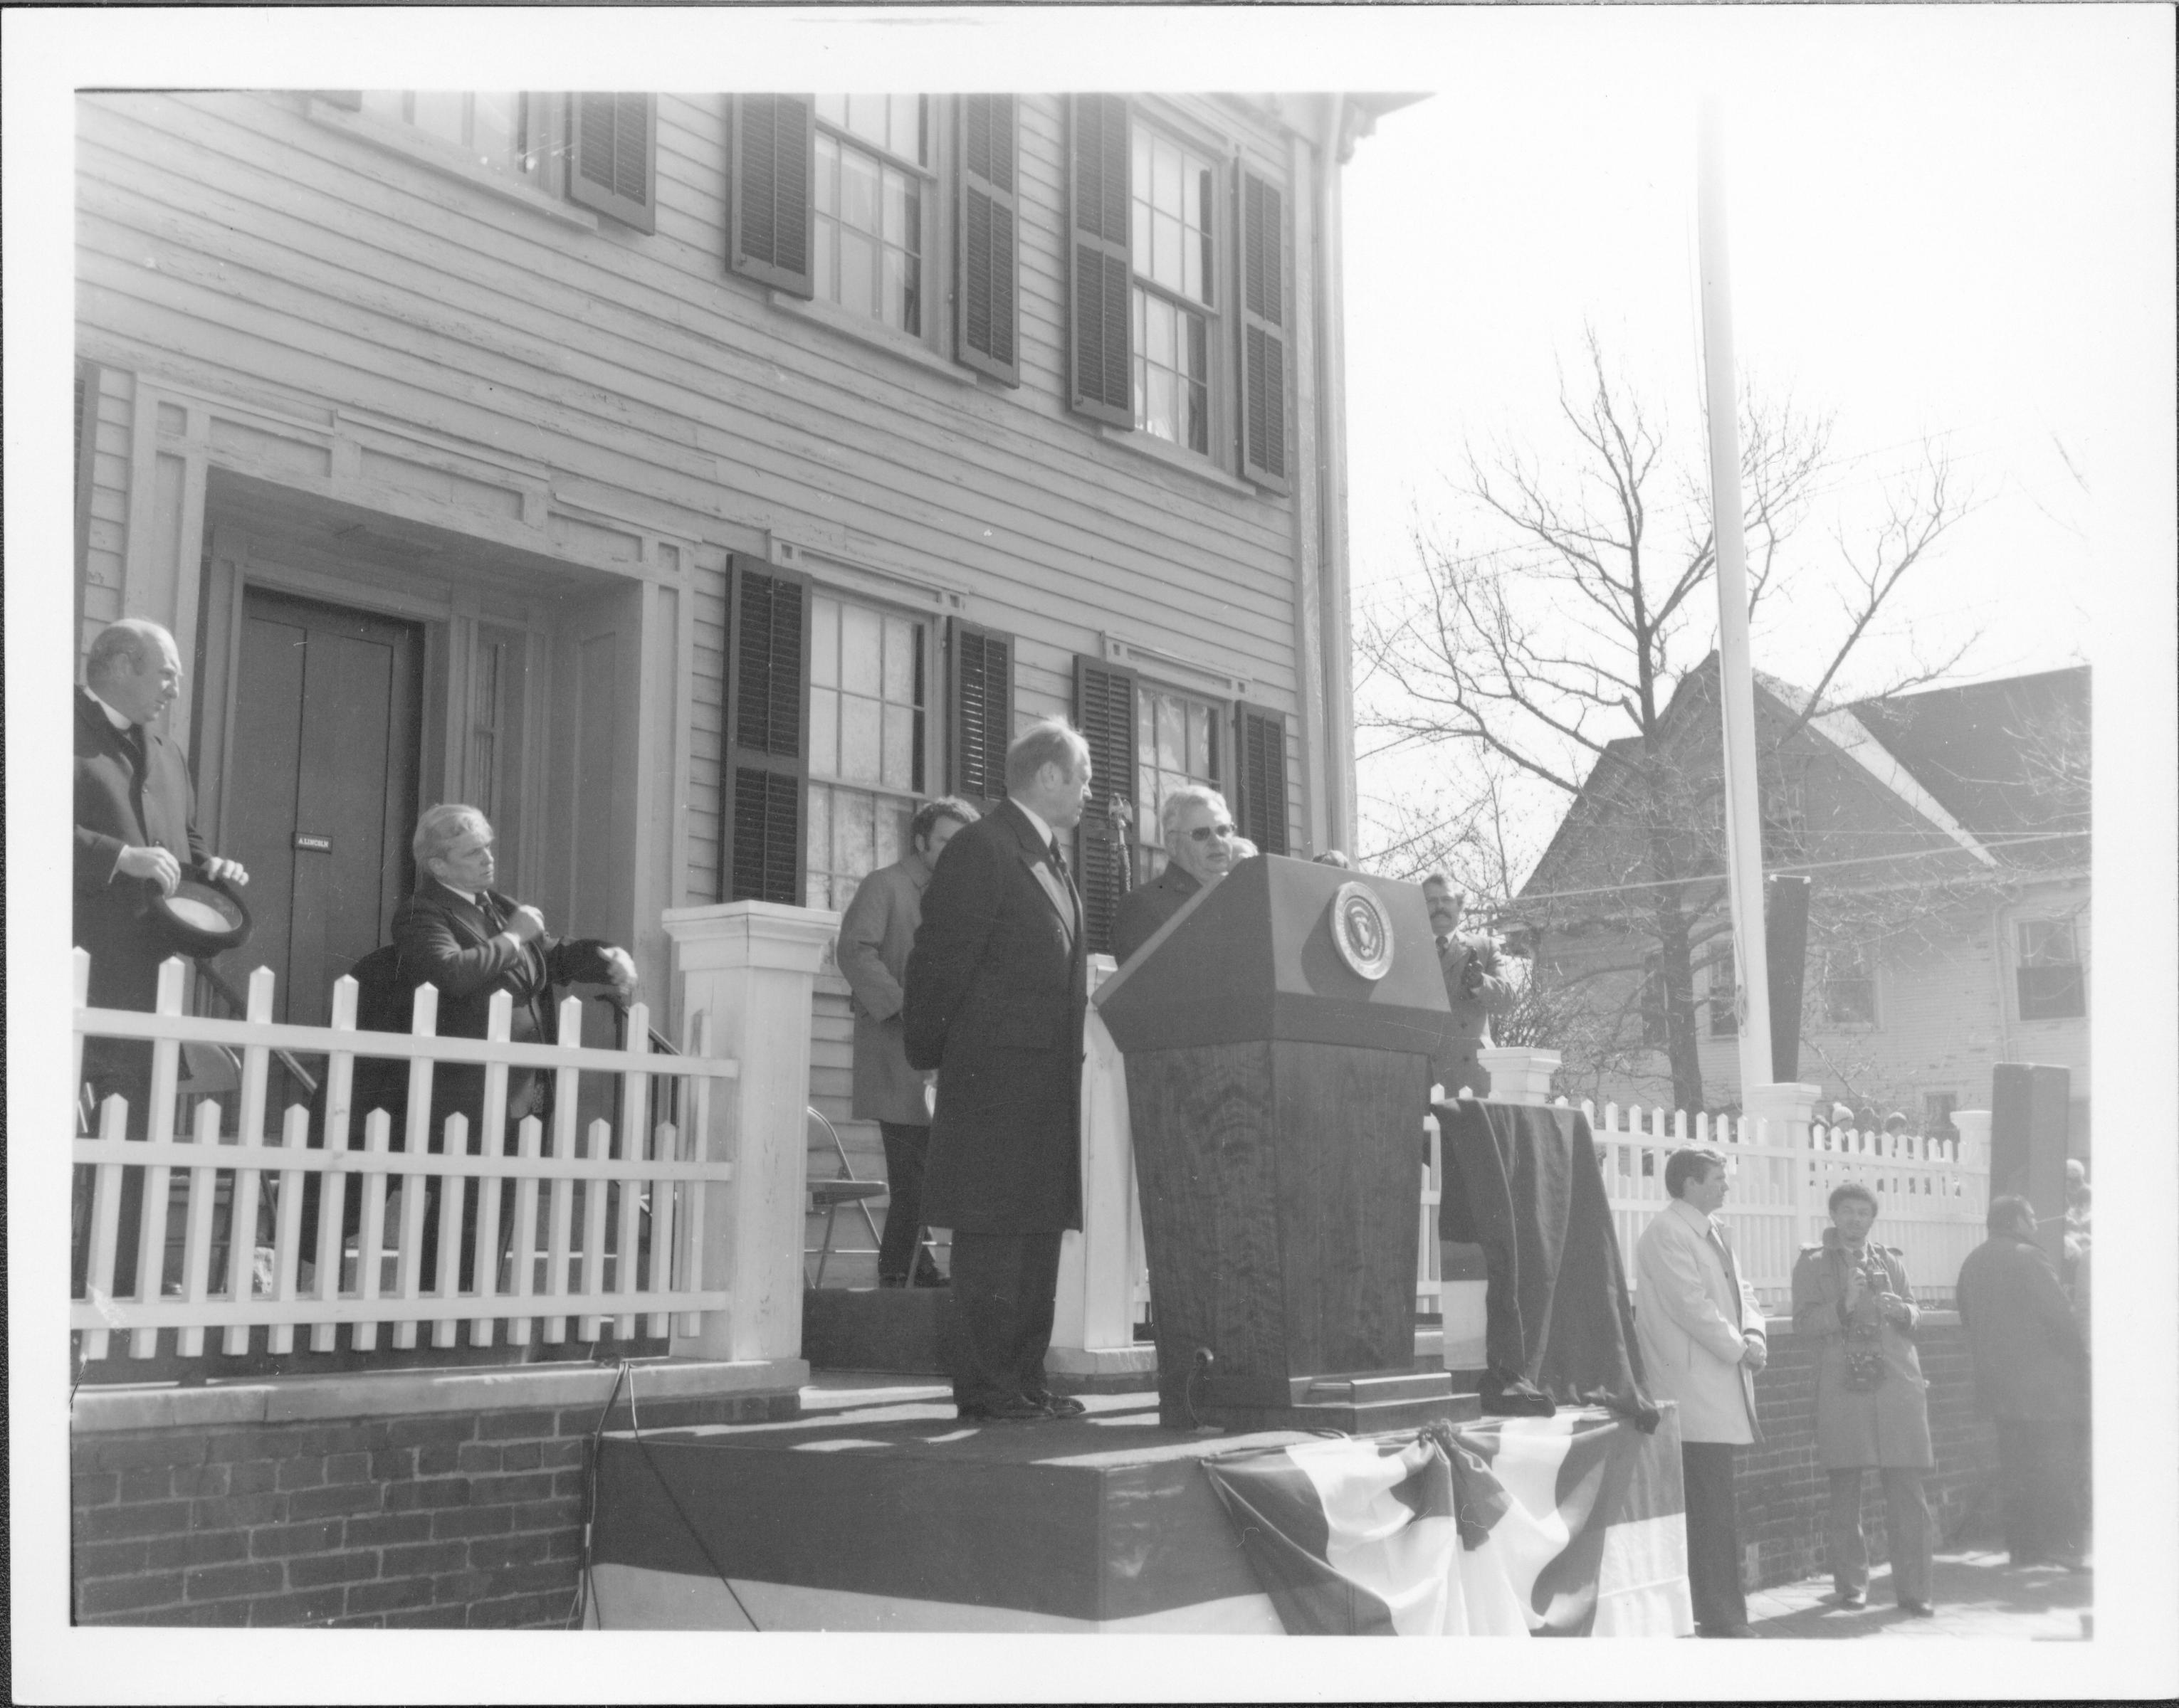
(323, 796)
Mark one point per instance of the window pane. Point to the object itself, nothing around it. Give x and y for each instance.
(1199, 418)
(825, 642)
(820, 839)
(859, 739)
(1158, 412)
(1172, 735)
(1164, 177)
(854, 840)
(861, 668)
(1159, 330)
(899, 682)
(1138, 224)
(1168, 252)
(825, 733)
(1199, 740)
(858, 273)
(906, 127)
(898, 771)
(825, 190)
(497, 129)
(892, 819)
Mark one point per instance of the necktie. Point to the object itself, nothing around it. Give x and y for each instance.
(1058, 859)
(1442, 943)
(132, 743)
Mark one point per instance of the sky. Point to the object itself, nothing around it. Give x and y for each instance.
(1925, 208)
(1955, 221)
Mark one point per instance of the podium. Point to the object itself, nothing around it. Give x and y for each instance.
(1279, 1032)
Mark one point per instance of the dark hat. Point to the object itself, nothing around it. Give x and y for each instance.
(201, 918)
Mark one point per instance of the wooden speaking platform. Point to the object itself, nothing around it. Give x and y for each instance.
(1278, 1033)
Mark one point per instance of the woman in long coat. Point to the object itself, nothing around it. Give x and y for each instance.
(1850, 1296)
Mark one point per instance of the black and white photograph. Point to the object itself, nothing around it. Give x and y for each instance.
(904, 831)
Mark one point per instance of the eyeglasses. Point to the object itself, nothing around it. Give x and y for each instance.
(1204, 833)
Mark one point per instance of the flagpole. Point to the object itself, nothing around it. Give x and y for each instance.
(1743, 822)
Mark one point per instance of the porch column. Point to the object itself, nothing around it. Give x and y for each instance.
(1519, 1074)
(752, 965)
(1093, 1334)
(1787, 1111)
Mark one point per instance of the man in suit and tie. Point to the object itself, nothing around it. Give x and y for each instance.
(996, 989)
(1702, 1338)
(458, 933)
(1475, 985)
(135, 840)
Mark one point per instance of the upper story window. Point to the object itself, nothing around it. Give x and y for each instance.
(1849, 987)
(1174, 198)
(2050, 978)
(873, 185)
(1177, 306)
(495, 130)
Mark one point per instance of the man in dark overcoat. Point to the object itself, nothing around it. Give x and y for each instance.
(2031, 1376)
(456, 931)
(135, 840)
(996, 991)
(1198, 828)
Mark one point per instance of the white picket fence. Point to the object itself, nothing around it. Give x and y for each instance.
(1932, 1199)
(604, 1231)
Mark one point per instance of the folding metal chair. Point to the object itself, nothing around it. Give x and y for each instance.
(835, 1195)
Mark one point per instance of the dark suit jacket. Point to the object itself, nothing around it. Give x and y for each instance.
(1456, 1064)
(117, 808)
(2030, 1364)
(1141, 911)
(445, 940)
(996, 990)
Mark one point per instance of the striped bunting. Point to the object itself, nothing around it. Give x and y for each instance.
(1478, 1530)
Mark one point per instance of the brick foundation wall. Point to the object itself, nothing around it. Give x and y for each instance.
(462, 1518)
(1781, 1490)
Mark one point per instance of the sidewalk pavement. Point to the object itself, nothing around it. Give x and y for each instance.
(1976, 1593)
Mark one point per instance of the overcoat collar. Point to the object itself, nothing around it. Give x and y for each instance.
(1036, 855)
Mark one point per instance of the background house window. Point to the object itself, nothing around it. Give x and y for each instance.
(2050, 984)
(1721, 991)
(1176, 744)
(868, 205)
(1849, 992)
(867, 701)
(1785, 823)
(493, 130)
(1172, 229)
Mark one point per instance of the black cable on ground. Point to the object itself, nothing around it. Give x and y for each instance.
(586, 1590)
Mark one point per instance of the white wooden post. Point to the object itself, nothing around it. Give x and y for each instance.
(1093, 1324)
(1519, 1074)
(752, 965)
(1787, 1112)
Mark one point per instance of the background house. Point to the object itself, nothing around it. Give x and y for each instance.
(1946, 836)
(695, 482)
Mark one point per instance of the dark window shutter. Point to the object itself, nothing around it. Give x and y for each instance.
(1259, 776)
(87, 455)
(766, 762)
(775, 141)
(1105, 713)
(986, 221)
(1263, 338)
(981, 726)
(1100, 268)
(613, 159)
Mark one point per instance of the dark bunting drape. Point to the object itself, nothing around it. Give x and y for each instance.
(1523, 1182)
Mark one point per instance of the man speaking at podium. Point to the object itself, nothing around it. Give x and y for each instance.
(997, 983)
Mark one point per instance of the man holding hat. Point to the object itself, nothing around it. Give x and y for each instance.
(135, 840)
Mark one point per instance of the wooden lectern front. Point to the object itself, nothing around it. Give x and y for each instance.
(1279, 1032)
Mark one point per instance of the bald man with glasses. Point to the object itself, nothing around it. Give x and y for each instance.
(1199, 850)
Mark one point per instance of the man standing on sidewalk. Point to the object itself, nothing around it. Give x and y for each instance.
(1702, 1339)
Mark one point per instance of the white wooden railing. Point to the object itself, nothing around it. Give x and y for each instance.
(605, 1230)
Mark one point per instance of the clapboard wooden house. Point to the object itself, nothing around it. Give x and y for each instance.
(694, 481)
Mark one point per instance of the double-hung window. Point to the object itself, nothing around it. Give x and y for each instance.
(885, 207)
(840, 716)
(869, 671)
(2050, 985)
(873, 185)
(496, 131)
(1178, 304)
(1172, 209)
(1176, 744)
(1849, 986)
